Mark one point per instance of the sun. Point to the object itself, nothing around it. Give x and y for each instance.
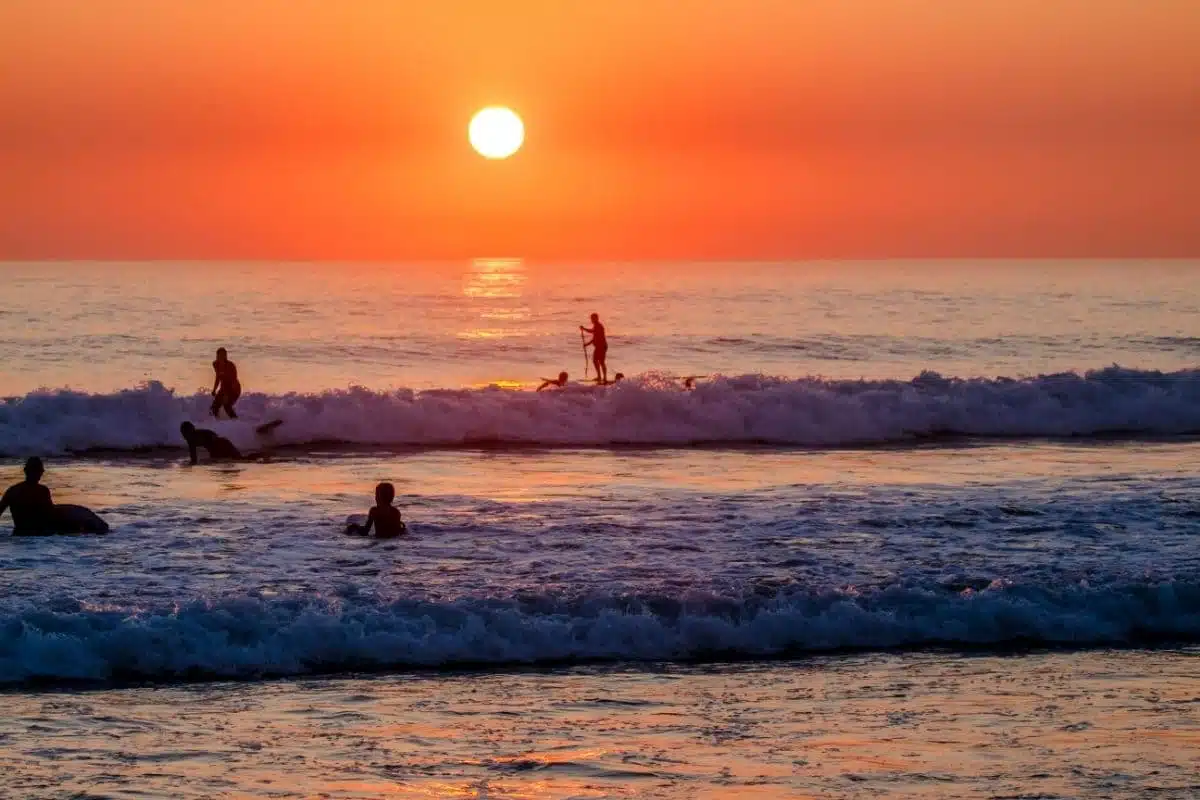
(496, 132)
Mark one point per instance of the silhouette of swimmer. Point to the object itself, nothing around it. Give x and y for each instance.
(559, 382)
(383, 516)
(599, 345)
(226, 387)
(219, 448)
(31, 504)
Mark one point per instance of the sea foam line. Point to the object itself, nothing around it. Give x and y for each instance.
(251, 637)
(645, 411)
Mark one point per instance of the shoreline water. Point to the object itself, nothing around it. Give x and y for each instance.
(931, 725)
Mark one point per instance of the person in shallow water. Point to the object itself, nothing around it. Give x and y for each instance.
(219, 448)
(384, 516)
(226, 387)
(32, 507)
(599, 345)
(559, 382)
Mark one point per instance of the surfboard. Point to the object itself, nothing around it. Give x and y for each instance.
(267, 427)
(77, 519)
(356, 522)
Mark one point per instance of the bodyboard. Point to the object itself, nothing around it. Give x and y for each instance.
(77, 519)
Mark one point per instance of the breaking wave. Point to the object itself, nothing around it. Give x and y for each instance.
(650, 411)
(252, 637)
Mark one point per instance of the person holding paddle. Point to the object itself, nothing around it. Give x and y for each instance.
(599, 345)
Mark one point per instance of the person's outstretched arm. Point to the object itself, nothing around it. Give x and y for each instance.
(4, 504)
(192, 451)
(370, 522)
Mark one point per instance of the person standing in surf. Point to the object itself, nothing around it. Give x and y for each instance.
(30, 501)
(384, 516)
(226, 388)
(599, 345)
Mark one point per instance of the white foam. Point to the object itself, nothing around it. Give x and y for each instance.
(644, 411)
(249, 637)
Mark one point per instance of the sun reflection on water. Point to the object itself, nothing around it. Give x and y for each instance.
(494, 289)
(495, 278)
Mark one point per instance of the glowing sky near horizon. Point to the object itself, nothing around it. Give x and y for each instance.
(731, 129)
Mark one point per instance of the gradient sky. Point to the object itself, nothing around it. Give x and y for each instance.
(312, 129)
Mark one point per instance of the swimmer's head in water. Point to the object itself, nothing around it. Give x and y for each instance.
(34, 469)
(562, 377)
(187, 429)
(385, 493)
(620, 376)
(222, 355)
(595, 317)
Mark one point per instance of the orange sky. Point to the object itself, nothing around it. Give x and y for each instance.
(656, 128)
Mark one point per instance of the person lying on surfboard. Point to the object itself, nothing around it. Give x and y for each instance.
(30, 502)
(558, 382)
(219, 448)
(384, 516)
(226, 387)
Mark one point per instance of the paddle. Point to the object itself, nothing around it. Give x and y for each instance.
(583, 341)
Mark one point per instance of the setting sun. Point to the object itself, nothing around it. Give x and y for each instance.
(496, 132)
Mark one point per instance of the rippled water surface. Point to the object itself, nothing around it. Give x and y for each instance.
(311, 327)
(1099, 724)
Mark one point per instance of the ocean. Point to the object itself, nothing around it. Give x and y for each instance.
(919, 529)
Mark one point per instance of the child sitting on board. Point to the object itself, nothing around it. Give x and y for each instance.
(384, 516)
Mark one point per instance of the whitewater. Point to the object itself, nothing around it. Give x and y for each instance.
(650, 410)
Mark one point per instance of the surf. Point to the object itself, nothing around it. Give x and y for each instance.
(253, 637)
(650, 410)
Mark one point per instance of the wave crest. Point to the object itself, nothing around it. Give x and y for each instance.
(648, 411)
(254, 637)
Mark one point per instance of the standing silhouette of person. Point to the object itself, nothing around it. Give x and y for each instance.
(31, 504)
(599, 345)
(226, 388)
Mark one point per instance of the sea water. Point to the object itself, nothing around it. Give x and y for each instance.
(927, 529)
